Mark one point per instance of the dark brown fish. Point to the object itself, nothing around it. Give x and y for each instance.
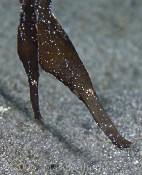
(28, 50)
(43, 41)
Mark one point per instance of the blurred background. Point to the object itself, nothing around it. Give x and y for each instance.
(107, 34)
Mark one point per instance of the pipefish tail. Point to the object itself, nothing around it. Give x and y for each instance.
(48, 45)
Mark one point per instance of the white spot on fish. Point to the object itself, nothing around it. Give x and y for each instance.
(34, 82)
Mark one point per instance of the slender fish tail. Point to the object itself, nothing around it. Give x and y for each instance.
(103, 120)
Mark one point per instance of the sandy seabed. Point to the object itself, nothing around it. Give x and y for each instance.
(108, 38)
